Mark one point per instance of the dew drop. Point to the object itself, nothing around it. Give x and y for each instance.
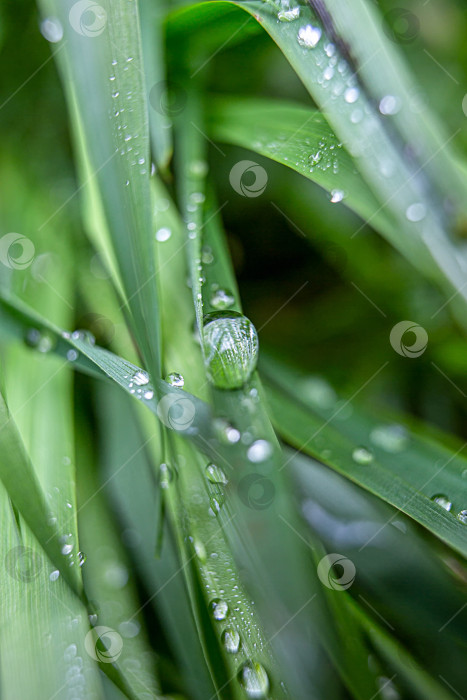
(462, 516)
(200, 551)
(215, 474)
(254, 680)
(222, 299)
(389, 105)
(165, 475)
(199, 168)
(163, 234)
(206, 255)
(289, 15)
(140, 378)
(416, 212)
(337, 196)
(230, 349)
(81, 559)
(391, 438)
(259, 451)
(351, 95)
(362, 455)
(442, 501)
(226, 433)
(175, 379)
(54, 575)
(309, 36)
(219, 608)
(231, 640)
(51, 29)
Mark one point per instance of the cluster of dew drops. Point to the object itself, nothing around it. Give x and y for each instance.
(337, 76)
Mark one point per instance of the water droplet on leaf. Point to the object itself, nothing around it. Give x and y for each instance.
(309, 36)
(362, 455)
(220, 609)
(215, 474)
(230, 349)
(442, 501)
(222, 299)
(254, 680)
(259, 451)
(289, 15)
(175, 379)
(231, 640)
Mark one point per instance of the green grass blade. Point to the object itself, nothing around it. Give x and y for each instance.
(399, 188)
(159, 96)
(291, 134)
(104, 77)
(43, 623)
(384, 72)
(21, 484)
(405, 468)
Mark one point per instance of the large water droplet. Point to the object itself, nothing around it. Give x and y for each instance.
(231, 640)
(442, 500)
(215, 474)
(220, 609)
(309, 36)
(254, 679)
(362, 455)
(230, 348)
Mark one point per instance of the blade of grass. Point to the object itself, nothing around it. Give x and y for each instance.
(103, 77)
(105, 571)
(287, 133)
(405, 468)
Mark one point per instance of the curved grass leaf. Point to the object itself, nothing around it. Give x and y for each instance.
(398, 186)
(103, 77)
(294, 136)
(21, 484)
(403, 468)
(383, 72)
